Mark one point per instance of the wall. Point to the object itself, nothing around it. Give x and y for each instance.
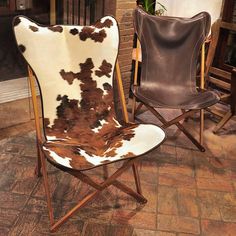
(188, 8)
(124, 9)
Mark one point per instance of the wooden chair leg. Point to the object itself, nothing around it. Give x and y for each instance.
(105, 172)
(136, 178)
(38, 166)
(133, 109)
(46, 186)
(201, 126)
(223, 121)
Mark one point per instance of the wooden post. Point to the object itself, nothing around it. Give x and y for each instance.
(52, 12)
(202, 87)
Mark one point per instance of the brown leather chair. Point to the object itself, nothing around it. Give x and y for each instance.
(74, 68)
(170, 47)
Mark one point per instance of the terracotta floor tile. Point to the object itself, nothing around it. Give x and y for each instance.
(136, 218)
(228, 213)
(213, 228)
(177, 180)
(176, 169)
(187, 202)
(215, 184)
(167, 200)
(178, 224)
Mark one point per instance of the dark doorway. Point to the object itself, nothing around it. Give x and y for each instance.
(12, 65)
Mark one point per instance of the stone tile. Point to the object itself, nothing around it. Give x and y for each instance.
(183, 234)
(25, 225)
(204, 172)
(7, 180)
(101, 214)
(220, 198)
(177, 180)
(187, 202)
(213, 184)
(213, 228)
(150, 193)
(211, 203)
(184, 157)
(4, 231)
(162, 233)
(209, 211)
(167, 200)
(8, 217)
(36, 205)
(148, 171)
(137, 218)
(142, 232)
(228, 213)
(176, 169)
(178, 224)
(5, 158)
(13, 201)
(71, 227)
(25, 186)
(120, 230)
(96, 229)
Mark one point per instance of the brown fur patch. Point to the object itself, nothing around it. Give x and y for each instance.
(104, 69)
(99, 37)
(17, 21)
(129, 154)
(68, 76)
(74, 31)
(88, 32)
(22, 48)
(107, 86)
(56, 28)
(34, 28)
(107, 23)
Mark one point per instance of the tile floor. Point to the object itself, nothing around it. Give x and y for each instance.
(189, 192)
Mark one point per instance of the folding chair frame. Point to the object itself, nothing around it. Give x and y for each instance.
(108, 180)
(175, 121)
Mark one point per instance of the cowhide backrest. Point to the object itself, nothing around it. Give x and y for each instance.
(74, 67)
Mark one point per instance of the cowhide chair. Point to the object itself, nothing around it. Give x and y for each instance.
(74, 67)
(170, 47)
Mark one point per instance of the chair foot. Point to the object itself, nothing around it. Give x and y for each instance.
(223, 121)
(142, 201)
(37, 171)
(202, 149)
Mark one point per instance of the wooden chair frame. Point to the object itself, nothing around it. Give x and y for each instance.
(175, 121)
(230, 77)
(108, 180)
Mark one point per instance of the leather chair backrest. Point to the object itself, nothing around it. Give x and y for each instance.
(170, 49)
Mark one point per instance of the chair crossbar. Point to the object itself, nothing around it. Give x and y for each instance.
(111, 180)
(175, 121)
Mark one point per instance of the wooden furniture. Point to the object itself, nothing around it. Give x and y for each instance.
(74, 67)
(170, 47)
(221, 78)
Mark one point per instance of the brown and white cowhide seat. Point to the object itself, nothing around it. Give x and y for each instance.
(74, 66)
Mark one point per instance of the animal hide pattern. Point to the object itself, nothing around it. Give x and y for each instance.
(74, 66)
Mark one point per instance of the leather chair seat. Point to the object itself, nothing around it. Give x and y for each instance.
(177, 99)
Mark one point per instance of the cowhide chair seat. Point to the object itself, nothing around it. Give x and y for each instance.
(74, 67)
